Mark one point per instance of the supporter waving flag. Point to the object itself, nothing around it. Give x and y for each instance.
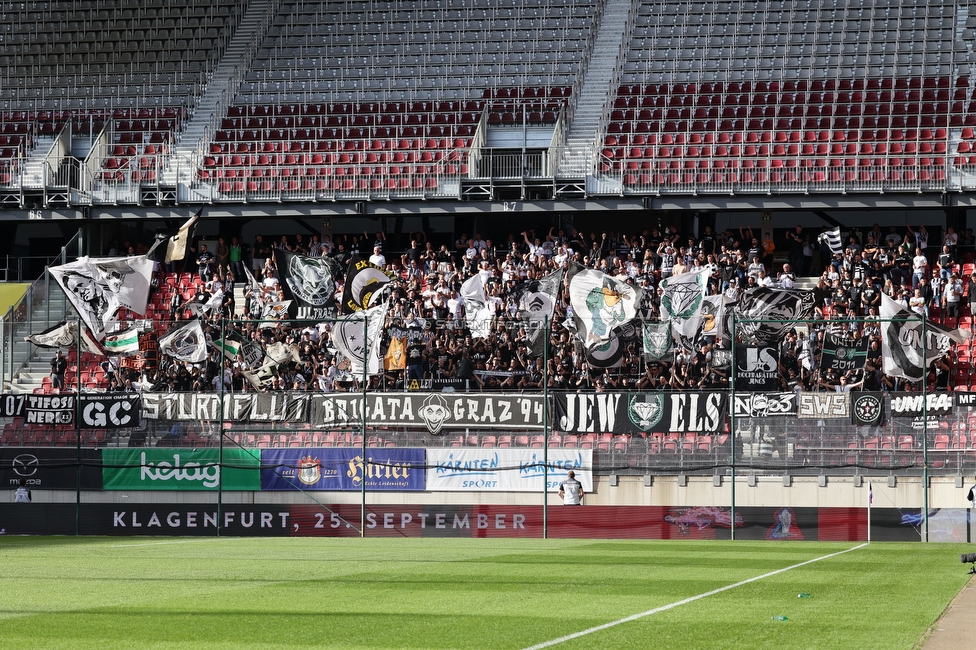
(478, 312)
(600, 304)
(123, 342)
(681, 305)
(308, 282)
(99, 287)
(657, 341)
(363, 280)
(185, 342)
(361, 344)
(901, 341)
(832, 239)
(536, 300)
(768, 314)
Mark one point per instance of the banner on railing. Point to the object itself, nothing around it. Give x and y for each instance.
(756, 368)
(433, 411)
(636, 412)
(815, 406)
(915, 405)
(39, 409)
(867, 409)
(181, 469)
(240, 407)
(387, 469)
(762, 405)
(109, 411)
(478, 469)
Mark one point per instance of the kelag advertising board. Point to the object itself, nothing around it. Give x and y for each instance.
(180, 469)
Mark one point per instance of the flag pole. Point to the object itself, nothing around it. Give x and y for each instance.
(870, 501)
(362, 509)
(925, 435)
(78, 425)
(545, 428)
(732, 427)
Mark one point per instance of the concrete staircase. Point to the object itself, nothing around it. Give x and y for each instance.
(597, 90)
(213, 104)
(31, 363)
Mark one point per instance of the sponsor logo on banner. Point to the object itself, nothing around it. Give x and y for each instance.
(433, 412)
(761, 405)
(507, 469)
(626, 413)
(109, 411)
(867, 409)
(180, 469)
(756, 368)
(386, 469)
(824, 405)
(50, 468)
(912, 405)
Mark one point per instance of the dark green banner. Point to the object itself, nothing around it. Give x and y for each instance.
(180, 469)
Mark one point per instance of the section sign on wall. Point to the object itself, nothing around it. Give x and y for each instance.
(507, 469)
(180, 469)
(385, 468)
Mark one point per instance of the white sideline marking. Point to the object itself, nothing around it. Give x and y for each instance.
(186, 541)
(664, 608)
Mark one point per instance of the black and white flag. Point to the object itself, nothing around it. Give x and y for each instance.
(97, 288)
(536, 300)
(309, 282)
(902, 333)
(831, 238)
(62, 335)
(764, 315)
(600, 304)
(842, 353)
(363, 280)
(478, 312)
(358, 337)
(681, 305)
(185, 342)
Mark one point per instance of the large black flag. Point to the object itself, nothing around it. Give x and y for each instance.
(770, 313)
(363, 280)
(309, 282)
(536, 300)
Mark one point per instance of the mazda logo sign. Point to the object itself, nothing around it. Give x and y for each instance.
(25, 465)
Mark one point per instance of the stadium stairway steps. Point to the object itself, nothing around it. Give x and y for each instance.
(597, 89)
(33, 175)
(34, 362)
(214, 102)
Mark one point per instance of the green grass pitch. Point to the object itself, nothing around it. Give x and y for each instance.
(210, 593)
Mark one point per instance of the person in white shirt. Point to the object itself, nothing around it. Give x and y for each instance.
(571, 490)
(920, 265)
(377, 257)
(23, 494)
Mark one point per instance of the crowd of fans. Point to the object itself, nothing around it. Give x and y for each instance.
(425, 307)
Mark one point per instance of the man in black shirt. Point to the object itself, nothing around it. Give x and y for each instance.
(59, 366)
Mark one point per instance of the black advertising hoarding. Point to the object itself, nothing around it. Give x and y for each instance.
(50, 468)
(637, 412)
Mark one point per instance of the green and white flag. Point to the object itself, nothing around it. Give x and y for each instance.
(657, 341)
(228, 347)
(124, 342)
(681, 305)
